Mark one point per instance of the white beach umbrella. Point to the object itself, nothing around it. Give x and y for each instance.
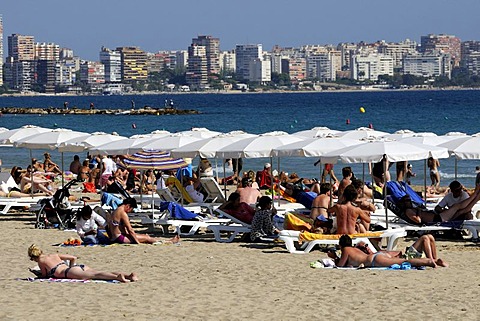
(155, 133)
(3, 129)
(200, 132)
(466, 147)
(80, 144)
(170, 142)
(317, 132)
(361, 132)
(209, 146)
(426, 140)
(49, 140)
(257, 146)
(126, 146)
(11, 136)
(313, 147)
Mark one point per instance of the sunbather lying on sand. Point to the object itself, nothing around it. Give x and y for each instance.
(355, 257)
(54, 266)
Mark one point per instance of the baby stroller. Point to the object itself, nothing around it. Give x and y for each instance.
(56, 211)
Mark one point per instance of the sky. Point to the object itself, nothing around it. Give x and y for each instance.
(87, 25)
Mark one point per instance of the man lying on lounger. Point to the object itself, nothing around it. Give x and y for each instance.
(355, 257)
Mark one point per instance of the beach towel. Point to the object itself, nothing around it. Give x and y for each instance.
(66, 280)
(177, 211)
(397, 190)
(284, 195)
(111, 200)
(296, 222)
(308, 236)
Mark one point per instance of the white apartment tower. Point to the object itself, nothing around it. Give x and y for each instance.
(260, 71)
(398, 50)
(243, 55)
(431, 64)
(370, 66)
(112, 61)
(227, 61)
(197, 75)
(323, 66)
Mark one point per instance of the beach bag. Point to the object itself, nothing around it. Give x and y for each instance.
(89, 188)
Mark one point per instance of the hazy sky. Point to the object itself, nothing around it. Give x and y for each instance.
(152, 25)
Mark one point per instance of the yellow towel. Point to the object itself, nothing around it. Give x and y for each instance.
(307, 236)
(294, 222)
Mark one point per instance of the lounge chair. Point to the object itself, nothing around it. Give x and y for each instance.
(233, 227)
(7, 203)
(214, 191)
(310, 240)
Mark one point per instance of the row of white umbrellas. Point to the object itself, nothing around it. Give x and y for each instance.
(362, 145)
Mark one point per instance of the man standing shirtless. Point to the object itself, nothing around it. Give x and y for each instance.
(347, 214)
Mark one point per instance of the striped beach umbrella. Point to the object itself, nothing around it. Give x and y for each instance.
(154, 159)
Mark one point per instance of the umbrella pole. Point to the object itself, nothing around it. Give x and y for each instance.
(385, 191)
(224, 181)
(455, 168)
(63, 172)
(273, 189)
(31, 174)
(373, 183)
(141, 189)
(271, 175)
(425, 178)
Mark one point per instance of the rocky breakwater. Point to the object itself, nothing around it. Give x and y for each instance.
(77, 111)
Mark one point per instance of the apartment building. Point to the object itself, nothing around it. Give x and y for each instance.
(243, 55)
(134, 64)
(259, 71)
(430, 64)
(197, 74)
(295, 67)
(227, 61)
(20, 63)
(347, 50)
(447, 44)
(212, 52)
(323, 66)
(398, 50)
(112, 62)
(370, 66)
(92, 72)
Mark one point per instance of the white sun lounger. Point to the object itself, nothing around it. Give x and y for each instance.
(6, 204)
(233, 228)
(214, 191)
(290, 237)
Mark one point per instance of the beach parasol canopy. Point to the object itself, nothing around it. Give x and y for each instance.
(3, 129)
(154, 159)
(317, 132)
(11, 136)
(123, 146)
(200, 132)
(466, 147)
(48, 140)
(209, 146)
(313, 147)
(361, 132)
(155, 133)
(80, 144)
(257, 146)
(426, 140)
(170, 142)
(373, 152)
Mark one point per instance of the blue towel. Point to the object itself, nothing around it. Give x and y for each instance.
(177, 211)
(111, 200)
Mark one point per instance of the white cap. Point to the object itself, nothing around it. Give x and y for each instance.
(267, 165)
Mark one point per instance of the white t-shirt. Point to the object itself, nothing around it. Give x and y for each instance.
(449, 200)
(109, 165)
(194, 194)
(84, 226)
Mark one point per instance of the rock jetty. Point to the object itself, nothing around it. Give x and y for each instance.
(77, 111)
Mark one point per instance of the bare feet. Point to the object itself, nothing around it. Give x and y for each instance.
(440, 262)
(175, 239)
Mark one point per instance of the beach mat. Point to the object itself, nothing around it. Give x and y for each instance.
(55, 280)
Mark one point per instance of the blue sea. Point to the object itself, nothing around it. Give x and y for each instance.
(421, 111)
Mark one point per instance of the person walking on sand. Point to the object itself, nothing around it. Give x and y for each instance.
(54, 266)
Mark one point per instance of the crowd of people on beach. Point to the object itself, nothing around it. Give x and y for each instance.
(341, 206)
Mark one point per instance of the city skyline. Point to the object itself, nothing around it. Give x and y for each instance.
(172, 26)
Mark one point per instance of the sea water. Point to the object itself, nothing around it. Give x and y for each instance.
(421, 111)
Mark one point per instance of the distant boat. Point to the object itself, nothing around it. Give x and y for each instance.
(125, 112)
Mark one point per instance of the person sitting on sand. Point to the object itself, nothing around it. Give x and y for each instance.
(350, 219)
(84, 172)
(459, 211)
(237, 209)
(75, 165)
(37, 166)
(355, 257)
(120, 230)
(40, 183)
(88, 226)
(424, 245)
(49, 166)
(54, 266)
(262, 224)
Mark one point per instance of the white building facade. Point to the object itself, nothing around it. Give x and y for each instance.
(427, 65)
(112, 62)
(370, 66)
(243, 55)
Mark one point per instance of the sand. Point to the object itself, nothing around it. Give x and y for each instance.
(200, 279)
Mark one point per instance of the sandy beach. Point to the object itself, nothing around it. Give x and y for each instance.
(200, 279)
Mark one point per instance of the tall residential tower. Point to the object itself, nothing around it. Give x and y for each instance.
(1, 50)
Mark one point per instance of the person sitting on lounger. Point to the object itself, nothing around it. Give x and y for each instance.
(248, 194)
(350, 219)
(355, 257)
(54, 266)
(120, 230)
(40, 183)
(237, 209)
(262, 220)
(321, 203)
(456, 195)
(49, 165)
(459, 211)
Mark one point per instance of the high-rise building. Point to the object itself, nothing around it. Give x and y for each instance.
(92, 72)
(47, 51)
(112, 60)
(134, 64)
(197, 75)
(398, 50)
(243, 55)
(1, 50)
(260, 71)
(446, 44)
(370, 66)
(20, 63)
(430, 64)
(227, 61)
(323, 66)
(212, 52)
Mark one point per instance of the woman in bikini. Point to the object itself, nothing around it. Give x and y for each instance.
(355, 257)
(54, 266)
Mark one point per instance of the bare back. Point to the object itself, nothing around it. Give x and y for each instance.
(320, 205)
(347, 216)
(249, 195)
